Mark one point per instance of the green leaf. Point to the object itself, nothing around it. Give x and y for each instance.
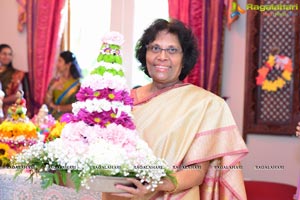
(30, 177)
(100, 57)
(63, 174)
(107, 58)
(99, 70)
(56, 178)
(172, 178)
(118, 60)
(76, 179)
(18, 172)
(121, 73)
(47, 179)
(114, 46)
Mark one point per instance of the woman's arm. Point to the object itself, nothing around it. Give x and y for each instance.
(10, 99)
(49, 94)
(61, 108)
(15, 85)
(53, 85)
(186, 178)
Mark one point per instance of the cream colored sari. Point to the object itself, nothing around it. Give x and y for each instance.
(188, 125)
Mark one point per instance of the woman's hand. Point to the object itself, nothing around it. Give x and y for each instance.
(298, 129)
(139, 192)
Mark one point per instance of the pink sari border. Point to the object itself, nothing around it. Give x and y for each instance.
(242, 151)
(145, 100)
(225, 184)
(213, 131)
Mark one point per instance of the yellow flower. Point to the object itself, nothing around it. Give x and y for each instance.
(4, 149)
(56, 131)
(97, 93)
(97, 119)
(279, 83)
(11, 129)
(287, 75)
(111, 96)
(271, 60)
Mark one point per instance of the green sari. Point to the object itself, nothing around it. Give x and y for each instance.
(65, 96)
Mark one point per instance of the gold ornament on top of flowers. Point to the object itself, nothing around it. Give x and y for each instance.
(277, 62)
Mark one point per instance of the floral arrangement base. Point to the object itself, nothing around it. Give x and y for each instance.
(101, 183)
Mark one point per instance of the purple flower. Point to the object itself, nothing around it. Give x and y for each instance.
(125, 121)
(84, 94)
(68, 117)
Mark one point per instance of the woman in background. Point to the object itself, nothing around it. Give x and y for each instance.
(64, 86)
(10, 78)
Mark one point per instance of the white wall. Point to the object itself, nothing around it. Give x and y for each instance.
(264, 149)
(10, 35)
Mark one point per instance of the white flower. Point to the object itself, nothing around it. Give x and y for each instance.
(113, 37)
(115, 66)
(97, 82)
(99, 105)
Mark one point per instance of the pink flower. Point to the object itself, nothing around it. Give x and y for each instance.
(68, 117)
(84, 93)
(106, 93)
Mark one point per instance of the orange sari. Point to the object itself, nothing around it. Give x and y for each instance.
(11, 82)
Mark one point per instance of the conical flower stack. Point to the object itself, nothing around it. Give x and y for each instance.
(100, 137)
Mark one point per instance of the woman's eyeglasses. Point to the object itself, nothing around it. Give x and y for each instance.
(157, 49)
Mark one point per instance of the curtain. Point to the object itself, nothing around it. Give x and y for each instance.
(43, 19)
(206, 20)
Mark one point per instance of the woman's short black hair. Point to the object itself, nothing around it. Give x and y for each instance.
(70, 57)
(186, 38)
(4, 46)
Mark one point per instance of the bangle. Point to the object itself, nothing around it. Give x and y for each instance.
(58, 108)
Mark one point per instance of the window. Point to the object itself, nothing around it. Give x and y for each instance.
(88, 23)
(90, 20)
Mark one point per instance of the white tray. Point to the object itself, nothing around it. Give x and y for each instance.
(102, 184)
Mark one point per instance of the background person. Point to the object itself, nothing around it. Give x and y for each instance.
(10, 78)
(63, 87)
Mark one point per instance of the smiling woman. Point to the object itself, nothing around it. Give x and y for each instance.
(10, 78)
(163, 66)
(182, 123)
